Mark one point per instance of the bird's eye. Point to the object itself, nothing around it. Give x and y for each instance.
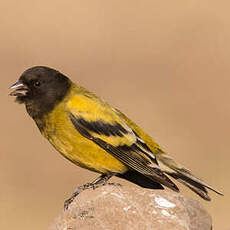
(37, 83)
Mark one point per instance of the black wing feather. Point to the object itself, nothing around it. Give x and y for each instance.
(136, 162)
(100, 127)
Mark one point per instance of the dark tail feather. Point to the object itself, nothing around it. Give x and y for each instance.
(139, 179)
(185, 177)
(194, 186)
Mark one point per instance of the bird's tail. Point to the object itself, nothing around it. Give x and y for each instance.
(184, 176)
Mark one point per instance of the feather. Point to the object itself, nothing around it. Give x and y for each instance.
(131, 158)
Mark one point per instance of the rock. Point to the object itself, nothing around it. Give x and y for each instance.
(117, 208)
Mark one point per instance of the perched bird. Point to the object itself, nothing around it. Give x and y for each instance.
(94, 135)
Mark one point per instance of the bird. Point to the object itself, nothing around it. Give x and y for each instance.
(96, 136)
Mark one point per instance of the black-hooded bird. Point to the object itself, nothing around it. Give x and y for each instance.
(94, 135)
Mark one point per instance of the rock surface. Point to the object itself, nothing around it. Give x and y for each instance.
(120, 208)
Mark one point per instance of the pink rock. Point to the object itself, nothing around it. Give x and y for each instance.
(127, 207)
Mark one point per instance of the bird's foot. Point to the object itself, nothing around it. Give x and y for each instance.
(100, 181)
(76, 193)
(115, 184)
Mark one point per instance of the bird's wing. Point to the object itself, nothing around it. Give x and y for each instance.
(171, 167)
(100, 123)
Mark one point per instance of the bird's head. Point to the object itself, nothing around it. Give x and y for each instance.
(40, 89)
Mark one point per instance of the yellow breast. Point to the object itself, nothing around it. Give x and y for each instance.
(72, 145)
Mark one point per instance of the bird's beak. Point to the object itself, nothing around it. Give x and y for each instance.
(20, 89)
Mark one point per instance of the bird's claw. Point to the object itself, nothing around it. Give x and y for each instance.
(68, 202)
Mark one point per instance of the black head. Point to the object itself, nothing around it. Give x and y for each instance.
(40, 89)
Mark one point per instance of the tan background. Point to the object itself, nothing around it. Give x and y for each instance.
(164, 63)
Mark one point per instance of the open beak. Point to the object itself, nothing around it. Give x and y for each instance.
(20, 89)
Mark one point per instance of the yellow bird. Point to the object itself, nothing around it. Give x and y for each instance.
(92, 134)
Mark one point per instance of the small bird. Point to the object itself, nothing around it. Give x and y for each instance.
(94, 135)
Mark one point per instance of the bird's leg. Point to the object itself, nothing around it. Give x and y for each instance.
(100, 181)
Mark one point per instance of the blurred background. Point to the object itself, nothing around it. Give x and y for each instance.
(163, 63)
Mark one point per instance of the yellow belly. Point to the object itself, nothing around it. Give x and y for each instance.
(72, 145)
